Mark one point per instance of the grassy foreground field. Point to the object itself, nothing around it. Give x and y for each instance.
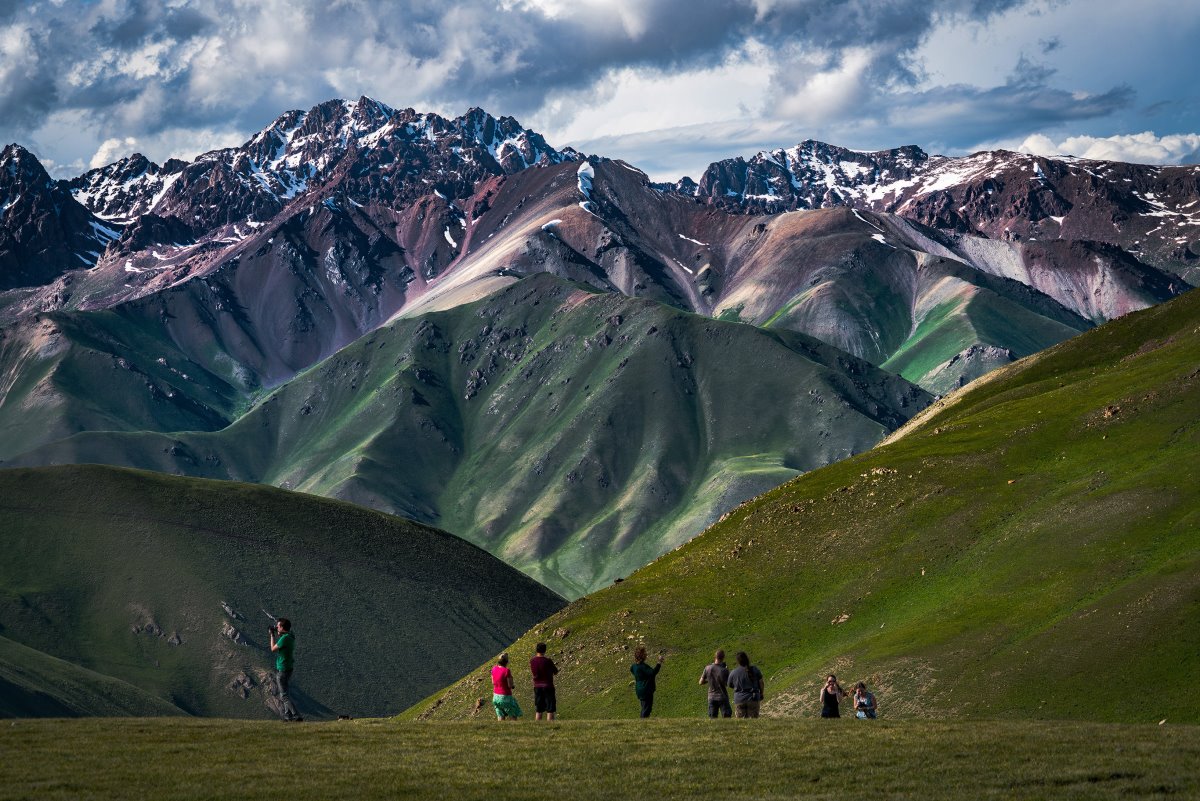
(186, 759)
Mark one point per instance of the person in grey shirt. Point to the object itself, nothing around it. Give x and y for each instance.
(747, 683)
(716, 676)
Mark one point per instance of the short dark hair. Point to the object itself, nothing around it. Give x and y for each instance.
(720, 654)
(540, 648)
(742, 659)
(284, 624)
(639, 654)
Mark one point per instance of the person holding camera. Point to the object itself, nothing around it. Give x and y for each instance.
(283, 645)
(831, 693)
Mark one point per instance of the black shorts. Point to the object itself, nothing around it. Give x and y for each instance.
(544, 700)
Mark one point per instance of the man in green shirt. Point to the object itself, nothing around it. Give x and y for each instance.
(283, 645)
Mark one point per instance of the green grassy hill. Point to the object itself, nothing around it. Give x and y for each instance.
(1029, 548)
(576, 434)
(163, 584)
(68, 372)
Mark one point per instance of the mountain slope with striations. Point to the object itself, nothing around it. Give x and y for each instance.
(1026, 548)
(115, 579)
(577, 434)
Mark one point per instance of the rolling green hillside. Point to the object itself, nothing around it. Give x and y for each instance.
(165, 584)
(575, 434)
(1028, 548)
(68, 372)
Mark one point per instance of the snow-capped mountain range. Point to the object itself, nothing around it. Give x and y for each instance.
(1149, 210)
(367, 211)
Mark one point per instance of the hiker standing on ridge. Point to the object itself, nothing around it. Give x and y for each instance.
(643, 679)
(283, 645)
(716, 676)
(544, 670)
(747, 683)
(830, 694)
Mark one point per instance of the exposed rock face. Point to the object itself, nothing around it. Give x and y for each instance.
(370, 151)
(1150, 211)
(44, 232)
(229, 632)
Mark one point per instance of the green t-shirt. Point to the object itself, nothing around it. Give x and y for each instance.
(283, 657)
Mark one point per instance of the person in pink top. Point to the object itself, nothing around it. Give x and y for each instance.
(506, 706)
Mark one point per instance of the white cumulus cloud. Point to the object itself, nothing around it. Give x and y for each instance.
(112, 149)
(1140, 148)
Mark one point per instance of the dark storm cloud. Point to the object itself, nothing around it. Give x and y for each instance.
(143, 69)
(511, 56)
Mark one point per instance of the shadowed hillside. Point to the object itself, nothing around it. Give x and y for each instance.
(1029, 548)
(165, 583)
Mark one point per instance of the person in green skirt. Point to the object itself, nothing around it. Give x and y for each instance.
(506, 706)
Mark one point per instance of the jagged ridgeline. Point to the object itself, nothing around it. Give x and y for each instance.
(1027, 548)
(574, 433)
(123, 592)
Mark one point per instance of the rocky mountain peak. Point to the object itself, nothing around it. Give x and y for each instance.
(44, 232)
(362, 148)
(18, 165)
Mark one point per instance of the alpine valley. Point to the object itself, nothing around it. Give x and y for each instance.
(541, 352)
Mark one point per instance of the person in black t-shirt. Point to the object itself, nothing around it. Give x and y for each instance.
(830, 694)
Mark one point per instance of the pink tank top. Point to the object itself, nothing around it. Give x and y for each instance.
(500, 680)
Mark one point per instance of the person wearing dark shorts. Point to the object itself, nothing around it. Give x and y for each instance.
(716, 676)
(544, 671)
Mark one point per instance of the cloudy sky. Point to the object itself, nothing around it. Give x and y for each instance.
(669, 85)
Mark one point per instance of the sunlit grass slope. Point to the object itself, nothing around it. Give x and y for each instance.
(1030, 548)
(164, 583)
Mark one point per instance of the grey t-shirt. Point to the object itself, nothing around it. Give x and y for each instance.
(717, 676)
(744, 682)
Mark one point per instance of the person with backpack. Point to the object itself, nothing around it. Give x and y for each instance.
(746, 680)
(643, 679)
(716, 676)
